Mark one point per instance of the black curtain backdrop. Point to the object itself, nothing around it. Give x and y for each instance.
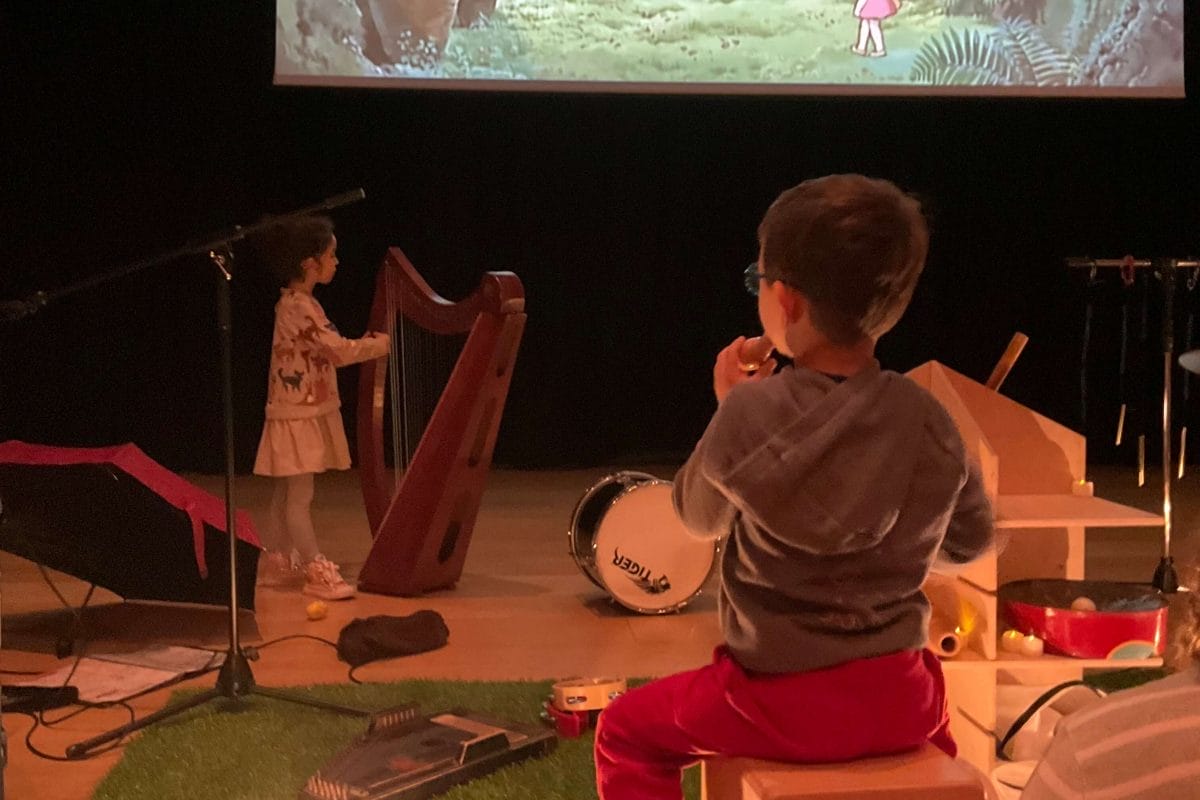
(131, 130)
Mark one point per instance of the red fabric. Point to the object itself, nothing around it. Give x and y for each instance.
(868, 707)
(200, 506)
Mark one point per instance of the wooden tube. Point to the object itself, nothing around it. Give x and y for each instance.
(1006, 362)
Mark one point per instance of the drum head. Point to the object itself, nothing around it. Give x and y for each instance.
(643, 554)
(581, 538)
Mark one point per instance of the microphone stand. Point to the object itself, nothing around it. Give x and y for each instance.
(235, 679)
(1165, 578)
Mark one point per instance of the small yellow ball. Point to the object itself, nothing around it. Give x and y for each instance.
(316, 610)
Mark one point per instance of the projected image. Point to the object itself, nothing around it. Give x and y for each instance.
(972, 46)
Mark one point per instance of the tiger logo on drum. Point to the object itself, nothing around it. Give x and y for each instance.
(641, 576)
(624, 524)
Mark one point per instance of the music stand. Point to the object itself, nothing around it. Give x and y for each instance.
(1165, 578)
(235, 680)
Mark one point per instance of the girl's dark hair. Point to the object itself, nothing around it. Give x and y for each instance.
(283, 244)
(1184, 615)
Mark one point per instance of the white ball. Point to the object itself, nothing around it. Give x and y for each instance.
(1083, 604)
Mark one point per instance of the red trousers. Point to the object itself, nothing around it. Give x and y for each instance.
(868, 707)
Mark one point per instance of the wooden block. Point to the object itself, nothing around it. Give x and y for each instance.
(972, 696)
(927, 774)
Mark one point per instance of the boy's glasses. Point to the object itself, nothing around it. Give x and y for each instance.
(752, 276)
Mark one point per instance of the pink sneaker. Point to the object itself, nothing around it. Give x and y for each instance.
(322, 579)
(277, 570)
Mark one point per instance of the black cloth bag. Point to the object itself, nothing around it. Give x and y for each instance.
(385, 636)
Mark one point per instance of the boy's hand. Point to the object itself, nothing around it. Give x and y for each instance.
(730, 370)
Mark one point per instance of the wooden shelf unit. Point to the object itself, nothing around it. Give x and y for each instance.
(1034, 472)
(1024, 511)
(969, 660)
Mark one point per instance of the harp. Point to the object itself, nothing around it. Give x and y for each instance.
(422, 512)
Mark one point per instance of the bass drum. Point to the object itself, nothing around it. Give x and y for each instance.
(627, 539)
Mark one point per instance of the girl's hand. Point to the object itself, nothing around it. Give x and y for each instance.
(377, 335)
(735, 364)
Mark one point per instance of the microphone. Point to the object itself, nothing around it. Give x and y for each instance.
(14, 310)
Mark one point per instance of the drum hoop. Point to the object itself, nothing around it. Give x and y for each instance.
(646, 480)
(595, 487)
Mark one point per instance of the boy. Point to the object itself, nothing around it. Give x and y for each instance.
(838, 484)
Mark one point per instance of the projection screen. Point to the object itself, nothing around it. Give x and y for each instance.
(1107, 48)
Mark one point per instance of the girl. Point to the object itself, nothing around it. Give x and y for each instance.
(871, 14)
(303, 432)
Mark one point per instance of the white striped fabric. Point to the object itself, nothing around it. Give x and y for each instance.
(1139, 744)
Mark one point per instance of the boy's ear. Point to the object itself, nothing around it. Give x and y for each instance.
(794, 304)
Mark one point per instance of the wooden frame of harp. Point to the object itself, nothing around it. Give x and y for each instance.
(422, 521)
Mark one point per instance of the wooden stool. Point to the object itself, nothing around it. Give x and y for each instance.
(926, 774)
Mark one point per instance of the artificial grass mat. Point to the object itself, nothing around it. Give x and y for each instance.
(265, 749)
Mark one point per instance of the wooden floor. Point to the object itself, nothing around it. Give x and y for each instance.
(521, 610)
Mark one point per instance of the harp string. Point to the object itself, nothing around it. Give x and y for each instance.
(420, 363)
(396, 383)
(428, 360)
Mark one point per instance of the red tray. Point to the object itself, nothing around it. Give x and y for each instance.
(1130, 620)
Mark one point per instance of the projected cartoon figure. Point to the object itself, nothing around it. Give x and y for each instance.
(871, 14)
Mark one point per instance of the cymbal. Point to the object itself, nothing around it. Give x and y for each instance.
(1191, 361)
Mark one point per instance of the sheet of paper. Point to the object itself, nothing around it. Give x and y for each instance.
(166, 657)
(104, 681)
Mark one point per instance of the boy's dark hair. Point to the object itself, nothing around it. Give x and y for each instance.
(853, 246)
(284, 243)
